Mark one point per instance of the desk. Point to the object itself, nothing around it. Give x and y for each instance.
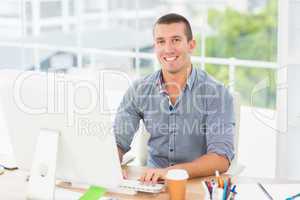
(13, 186)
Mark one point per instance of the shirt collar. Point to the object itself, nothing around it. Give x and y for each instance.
(191, 78)
(160, 83)
(190, 81)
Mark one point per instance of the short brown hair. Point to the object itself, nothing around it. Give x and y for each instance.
(176, 18)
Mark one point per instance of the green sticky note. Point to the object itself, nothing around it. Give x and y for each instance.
(93, 193)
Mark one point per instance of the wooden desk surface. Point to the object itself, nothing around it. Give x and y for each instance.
(13, 186)
(194, 189)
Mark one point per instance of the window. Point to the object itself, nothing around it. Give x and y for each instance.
(236, 43)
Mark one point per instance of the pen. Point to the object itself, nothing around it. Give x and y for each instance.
(265, 191)
(209, 187)
(228, 187)
(8, 168)
(293, 197)
(219, 179)
(232, 197)
(206, 190)
(233, 188)
(214, 190)
(232, 193)
(225, 190)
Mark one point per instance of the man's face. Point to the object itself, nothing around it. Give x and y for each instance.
(172, 47)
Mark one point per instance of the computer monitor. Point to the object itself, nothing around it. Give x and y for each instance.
(38, 104)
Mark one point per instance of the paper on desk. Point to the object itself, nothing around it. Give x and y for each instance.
(249, 191)
(277, 191)
(64, 194)
(282, 191)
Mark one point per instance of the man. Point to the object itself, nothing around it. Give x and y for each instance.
(188, 114)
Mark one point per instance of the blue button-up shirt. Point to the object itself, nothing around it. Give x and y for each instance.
(201, 120)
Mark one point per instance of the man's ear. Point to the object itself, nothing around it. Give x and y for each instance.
(192, 45)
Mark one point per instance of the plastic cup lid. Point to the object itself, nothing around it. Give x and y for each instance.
(177, 174)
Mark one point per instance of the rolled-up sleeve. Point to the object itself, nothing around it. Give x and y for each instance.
(127, 120)
(220, 124)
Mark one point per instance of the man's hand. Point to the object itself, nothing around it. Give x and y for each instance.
(124, 173)
(153, 175)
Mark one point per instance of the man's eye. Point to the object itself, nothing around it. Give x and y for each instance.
(176, 40)
(160, 42)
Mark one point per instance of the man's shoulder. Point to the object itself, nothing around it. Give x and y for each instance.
(204, 80)
(146, 83)
(151, 78)
(147, 80)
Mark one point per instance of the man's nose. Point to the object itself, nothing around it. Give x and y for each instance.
(169, 47)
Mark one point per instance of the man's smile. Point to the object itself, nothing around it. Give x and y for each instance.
(170, 58)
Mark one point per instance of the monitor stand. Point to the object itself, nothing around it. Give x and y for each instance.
(42, 174)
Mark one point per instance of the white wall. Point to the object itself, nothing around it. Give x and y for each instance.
(288, 141)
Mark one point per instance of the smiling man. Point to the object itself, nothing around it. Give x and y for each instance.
(188, 114)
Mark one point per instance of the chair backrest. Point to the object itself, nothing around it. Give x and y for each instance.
(139, 144)
(237, 113)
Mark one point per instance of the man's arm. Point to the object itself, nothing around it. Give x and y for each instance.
(121, 154)
(205, 165)
(126, 122)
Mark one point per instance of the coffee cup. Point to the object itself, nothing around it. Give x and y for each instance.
(176, 181)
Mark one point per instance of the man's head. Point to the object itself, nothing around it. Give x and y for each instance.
(173, 42)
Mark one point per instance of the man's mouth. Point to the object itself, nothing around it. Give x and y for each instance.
(170, 59)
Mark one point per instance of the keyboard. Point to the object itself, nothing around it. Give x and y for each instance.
(139, 186)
